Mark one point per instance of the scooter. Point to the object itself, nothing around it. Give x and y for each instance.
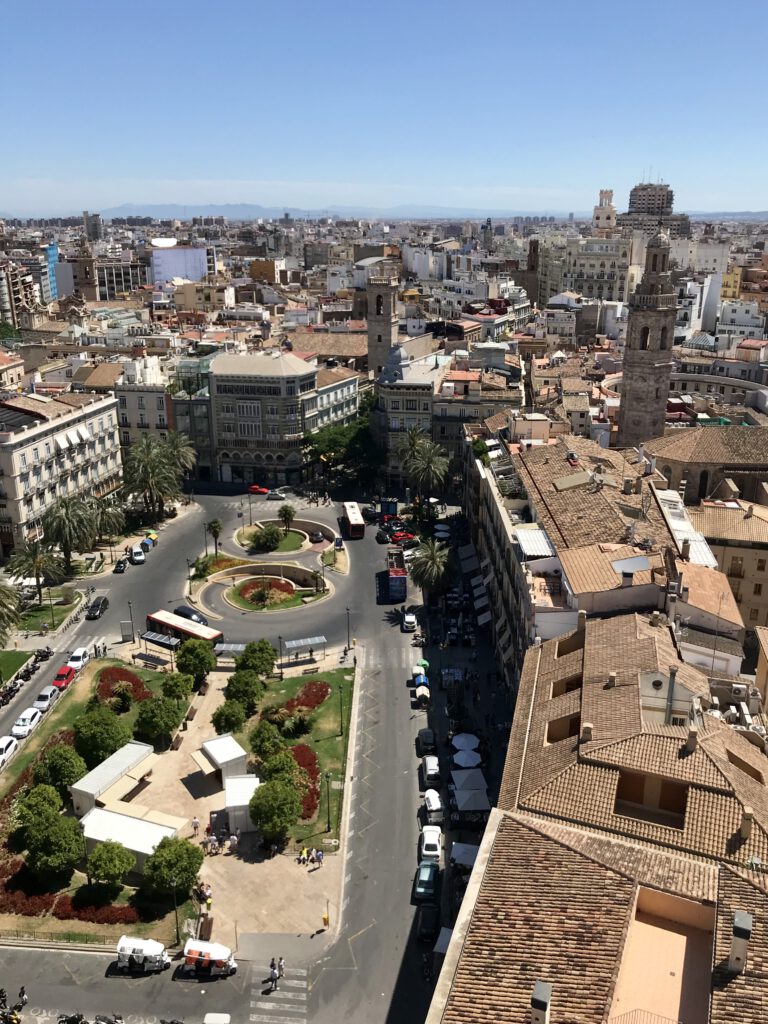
(108, 1018)
(72, 1018)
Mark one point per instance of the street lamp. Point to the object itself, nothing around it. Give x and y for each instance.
(250, 510)
(348, 640)
(205, 533)
(85, 851)
(189, 569)
(328, 798)
(176, 912)
(133, 628)
(280, 641)
(341, 710)
(50, 602)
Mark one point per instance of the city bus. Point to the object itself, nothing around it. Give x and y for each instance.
(183, 629)
(353, 521)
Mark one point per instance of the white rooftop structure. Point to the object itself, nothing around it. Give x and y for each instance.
(534, 542)
(682, 529)
(123, 762)
(136, 834)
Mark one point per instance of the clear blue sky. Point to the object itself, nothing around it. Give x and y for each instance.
(496, 104)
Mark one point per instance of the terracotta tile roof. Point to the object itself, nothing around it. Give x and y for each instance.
(334, 375)
(710, 591)
(729, 446)
(589, 569)
(741, 997)
(720, 522)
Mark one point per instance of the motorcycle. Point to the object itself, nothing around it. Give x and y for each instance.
(72, 1018)
(108, 1018)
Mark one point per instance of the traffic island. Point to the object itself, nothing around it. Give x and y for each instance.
(269, 592)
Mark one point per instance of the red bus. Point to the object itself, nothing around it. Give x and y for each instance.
(183, 629)
(353, 521)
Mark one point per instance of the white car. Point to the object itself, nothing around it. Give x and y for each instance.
(25, 723)
(409, 623)
(431, 842)
(8, 747)
(78, 658)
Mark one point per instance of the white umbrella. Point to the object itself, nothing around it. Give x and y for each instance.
(465, 741)
(467, 758)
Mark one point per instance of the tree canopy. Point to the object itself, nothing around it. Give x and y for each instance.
(259, 656)
(196, 658)
(60, 767)
(246, 687)
(54, 845)
(98, 733)
(110, 862)
(177, 686)
(228, 717)
(157, 719)
(274, 807)
(174, 865)
(266, 740)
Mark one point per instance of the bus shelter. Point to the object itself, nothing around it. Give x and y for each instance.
(297, 647)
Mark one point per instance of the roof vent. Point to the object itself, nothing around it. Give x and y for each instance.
(582, 621)
(737, 960)
(627, 488)
(693, 739)
(655, 617)
(639, 485)
(685, 550)
(747, 817)
(611, 680)
(541, 997)
(586, 732)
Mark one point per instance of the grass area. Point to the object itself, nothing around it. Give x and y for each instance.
(11, 662)
(328, 557)
(152, 680)
(324, 738)
(208, 564)
(291, 541)
(286, 600)
(38, 615)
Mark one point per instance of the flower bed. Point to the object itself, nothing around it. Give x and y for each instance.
(281, 586)
(110, 677)
(14, 897)
(310, 696)
(306, 758)
(66, 910)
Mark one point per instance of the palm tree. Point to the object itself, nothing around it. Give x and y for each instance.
(214, 528)
(108, 517)
(150, 473)
(407, 445)
(429, 467)
(34, 558)
(180, 451)
(429, 565)
(9, 611)
(286, 514)
(69, 523)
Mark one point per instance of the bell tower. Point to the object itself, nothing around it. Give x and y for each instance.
(383, 319)
(648, 351)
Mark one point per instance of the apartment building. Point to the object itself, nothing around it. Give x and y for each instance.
(53, 448)
(261, 407)
(625, 853)
(204, 297)
(17, 292)
(600, 268)
(337, 396)
(738, 320)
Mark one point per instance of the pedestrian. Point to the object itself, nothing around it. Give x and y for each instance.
(272, 964)
(272, 850)
(195, 825)
(23, 997)
(281, 967)
(273, 978)
(319, 855)
(3, 999)
(233, 843)
(312, 855)
(311, 654)
(238, 833)
(208, 829)
(208, 905)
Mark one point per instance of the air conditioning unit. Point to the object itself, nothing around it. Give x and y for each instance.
(738, 692)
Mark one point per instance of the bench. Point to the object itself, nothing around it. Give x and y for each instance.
(191, 714)
(176, 741)
(308, 671)
(206, 928)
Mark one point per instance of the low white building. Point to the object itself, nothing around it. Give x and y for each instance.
(127, 767)
(238, 790)
(222, 754)
(738, 320)
(139, 835)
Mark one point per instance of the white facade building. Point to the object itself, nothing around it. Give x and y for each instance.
(737, 321)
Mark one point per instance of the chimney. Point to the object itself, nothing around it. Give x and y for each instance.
(654, 618)
(541, 997)
(586, 732)
(750, 512)
(640, 453)
(693, 739)
(611, 680)
(685, 550)
(582, 624)
(747, 816)
(671, 607)
(652, 464)
(670, 694)
(639, 485)
(626, 579)
(737, 960)
(627, 488)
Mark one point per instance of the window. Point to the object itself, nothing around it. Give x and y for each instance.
(126, 438)
(411, 404)
(563, 728)
(36, 454)
(227, 408)
(737, 567)
(758, 589)
(249, 410)
(141, 401)
(761, 565)
(754, 614)
(566, 685)
(123, 402)
(23, 461)
(160, 402)
(394, 405)
(249, 429)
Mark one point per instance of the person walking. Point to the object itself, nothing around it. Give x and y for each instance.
(195, 825)
(3, 999)
(23, 997)
(272, 964)
(233, 843)
(273, 978)
(281, 967)
(319, 857)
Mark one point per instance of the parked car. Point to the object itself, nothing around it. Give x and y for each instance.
(414, 542)
(275, 496)
(371, 514)
(78, 658)
(97, 608)
(400, 535)
(426, 881)
(317, 537)
(427, 922)
(8, 747)
(120, 565)
(430, 842)
(25, 723)
(426, 740)
(382, 537)
(258, 489)
(430, 767)
(46, 698)
(64, 677)
(192, 614)
(409, 623)
(137, 555)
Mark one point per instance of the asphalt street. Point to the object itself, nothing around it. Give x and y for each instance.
(372, 971)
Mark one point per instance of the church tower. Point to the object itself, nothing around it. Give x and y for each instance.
(604, 215)
(383, 318)
(648, 350)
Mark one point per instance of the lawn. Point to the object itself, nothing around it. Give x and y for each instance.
(290, 601)
(324, 738)
(291, 541)
(38, 615)
(152, 680)
(11, 662)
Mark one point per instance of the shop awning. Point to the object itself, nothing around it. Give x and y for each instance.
(72, 437)
(84, 435)
(443, 940)
(62, 443)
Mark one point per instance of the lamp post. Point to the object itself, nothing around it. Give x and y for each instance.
(189, 569)
(50, 602)
(205, 534)
(133, 628)
(328, 799)
(341, 710)
(348, 640)
(250, 510)
(85, 852)
(176, 912)
(280, 641)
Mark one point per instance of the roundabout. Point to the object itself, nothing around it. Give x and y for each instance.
(275, 587)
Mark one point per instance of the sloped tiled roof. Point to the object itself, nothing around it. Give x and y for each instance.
(731, 446)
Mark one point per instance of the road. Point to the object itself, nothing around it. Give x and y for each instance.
(372, 971)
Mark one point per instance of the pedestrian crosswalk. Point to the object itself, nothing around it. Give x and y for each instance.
(286, 1005)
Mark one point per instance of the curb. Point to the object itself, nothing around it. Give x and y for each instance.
(349, 767)
(63, 947)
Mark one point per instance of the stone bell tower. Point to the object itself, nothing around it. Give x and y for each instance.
(383, 318)
(648, 352)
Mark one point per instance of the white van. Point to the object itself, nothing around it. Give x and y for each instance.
(137, 556)
(430, 767)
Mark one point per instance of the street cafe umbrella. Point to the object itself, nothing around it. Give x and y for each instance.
(434, 501)
(465, 741)
(467, 758)
(423, 663)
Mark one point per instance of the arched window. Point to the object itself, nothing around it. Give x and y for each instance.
(644, 336)
(664, 339)
(703, 483)
(654, 261)
(379, 305)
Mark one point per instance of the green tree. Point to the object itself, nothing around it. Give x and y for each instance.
(259, 656)
(267, 538)
(282, 766)
(54, 846)
(149, 472)
(480, 451)
(180, 451)
(428, 467)
(60, 767)
(156, 720)
(274, 808)
(429, 565)
(196, 658)
(36, 560)
(99, 733)
(174, 865)
(286, 514)
(266, 740)
(246, 687)
(8, 332)
(228, 717)
(41, 801)
(108, 517)
(110, 862)
(9, 611)
(177, 686)
(215, 528)
(68, 523)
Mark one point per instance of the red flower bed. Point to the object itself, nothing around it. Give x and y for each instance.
(65, 910)
(113, 675)
(310, 696)
(283, 586)
(306, 758)
(15, 880)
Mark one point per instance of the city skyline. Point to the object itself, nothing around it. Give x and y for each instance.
(418, 108)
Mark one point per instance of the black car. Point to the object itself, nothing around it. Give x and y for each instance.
(371, 514)
(382, 537)
(120, 565)
(426, 741)
(97, 608)
(413, 542)
(426, 882)
(427, 922)
(316, 537)
(192, 614)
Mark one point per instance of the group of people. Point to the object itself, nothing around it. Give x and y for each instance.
(212, 843)
(276, 971)
(312, 856)
(314, 498)
(22, 1000)
(204, 892)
